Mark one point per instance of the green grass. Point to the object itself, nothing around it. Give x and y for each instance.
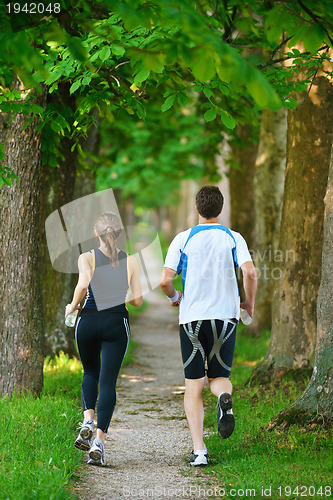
(254, 457)
(37, 456)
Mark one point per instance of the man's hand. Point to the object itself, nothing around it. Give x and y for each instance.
(176, 304)
(248, 307)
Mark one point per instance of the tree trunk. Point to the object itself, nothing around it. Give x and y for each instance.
(301, 235)
(242, 162)
(241, 178)
(57, 189)
(268, 190)
(21, 313)
(316, 401)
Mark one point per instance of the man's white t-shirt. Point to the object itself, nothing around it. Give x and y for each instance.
(206, 256)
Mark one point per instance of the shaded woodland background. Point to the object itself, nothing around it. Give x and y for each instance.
(154, 100)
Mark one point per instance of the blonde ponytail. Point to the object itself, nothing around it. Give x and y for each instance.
(108, 228)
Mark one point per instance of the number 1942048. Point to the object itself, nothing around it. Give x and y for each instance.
(305, 491)
(33, 8)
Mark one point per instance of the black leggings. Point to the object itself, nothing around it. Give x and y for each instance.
(102, 338)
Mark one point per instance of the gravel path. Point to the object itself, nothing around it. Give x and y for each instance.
(148, 443)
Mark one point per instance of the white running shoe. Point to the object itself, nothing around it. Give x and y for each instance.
(91, 461)
(199, 458)
(83, 441)
(96, 453)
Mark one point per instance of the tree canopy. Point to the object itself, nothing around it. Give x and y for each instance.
(223, 58)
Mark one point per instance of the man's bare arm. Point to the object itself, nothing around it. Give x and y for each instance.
(167, 285)
(250, 286)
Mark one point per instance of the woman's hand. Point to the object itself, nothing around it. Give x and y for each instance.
(70, 309)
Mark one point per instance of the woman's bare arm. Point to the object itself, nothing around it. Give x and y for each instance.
(134, 297)
(85, 274)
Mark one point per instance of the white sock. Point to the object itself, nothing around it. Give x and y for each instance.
(200, 452)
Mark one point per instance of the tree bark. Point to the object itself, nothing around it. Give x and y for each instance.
(21, 312)
(242, 162)
(316, 402)
(268, 191)
(57, 189)
(301, 235)
(62, 185)
(241, 177)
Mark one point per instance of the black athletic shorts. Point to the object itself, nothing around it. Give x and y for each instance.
(211, 341)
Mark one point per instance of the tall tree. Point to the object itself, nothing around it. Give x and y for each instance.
(21, 315)
(268, 196)
(58, 176)
(310, 130)
(244, 149)
(317, 399)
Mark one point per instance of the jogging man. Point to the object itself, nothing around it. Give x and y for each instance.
(206, 256)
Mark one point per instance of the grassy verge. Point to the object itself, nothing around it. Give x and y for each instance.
(37, 456)
(255, 462)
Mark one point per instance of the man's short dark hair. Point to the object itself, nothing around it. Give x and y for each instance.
(209, 201)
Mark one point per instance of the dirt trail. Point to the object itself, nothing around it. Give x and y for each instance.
(148, 436)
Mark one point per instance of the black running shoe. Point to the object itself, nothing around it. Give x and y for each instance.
(225, 418)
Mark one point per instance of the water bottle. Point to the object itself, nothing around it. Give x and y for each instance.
(71, 318)
(245, 317)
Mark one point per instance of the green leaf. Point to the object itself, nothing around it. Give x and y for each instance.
(154, 62)
(37, 109)
(54, 76)
(75, 86)
(86, 80)
(224, 89)
(62, 122)
(314, 37)
(142, 75)
(228, 120)
(301, 86)
(94, 56)
(117, 50)
(204, 69)
(168, 103)
(77, 49)
(169, 92)
(290, 103)
(7, 181)
(261, 91)
(183, 98)
(56, 127)
(208, 92)
(140, 109)
(105, 53)
(210, 115)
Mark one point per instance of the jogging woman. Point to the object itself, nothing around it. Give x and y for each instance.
(108, 278)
